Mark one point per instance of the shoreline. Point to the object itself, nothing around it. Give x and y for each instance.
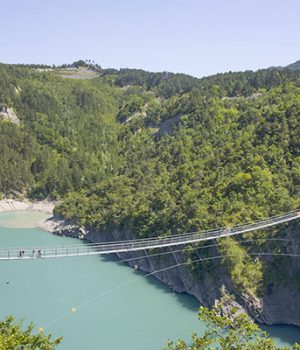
(7, 205)
(271, 309)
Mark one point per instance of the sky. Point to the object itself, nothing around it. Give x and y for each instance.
(197, 37)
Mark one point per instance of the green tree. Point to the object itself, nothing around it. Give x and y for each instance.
(13, 337)
(232, 331)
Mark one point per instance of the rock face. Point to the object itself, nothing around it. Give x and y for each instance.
(7, 113)
(281, 301)
(279, 305)
(167, 125)
(79, 73)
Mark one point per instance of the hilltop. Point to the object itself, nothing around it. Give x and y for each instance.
(292, 66)
(295, 65)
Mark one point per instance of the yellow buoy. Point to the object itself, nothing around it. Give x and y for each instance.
(73, 309)
(40, 330)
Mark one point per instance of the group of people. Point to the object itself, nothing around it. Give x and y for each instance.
(35, 254)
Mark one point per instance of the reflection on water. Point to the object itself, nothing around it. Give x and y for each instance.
(283, 334)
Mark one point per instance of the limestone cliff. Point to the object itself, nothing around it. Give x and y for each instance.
(280, 303)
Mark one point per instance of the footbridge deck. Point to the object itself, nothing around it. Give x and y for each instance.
(19, 253)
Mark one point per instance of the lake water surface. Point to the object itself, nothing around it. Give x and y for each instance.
(94, 302)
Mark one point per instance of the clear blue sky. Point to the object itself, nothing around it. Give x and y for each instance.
(198, 37)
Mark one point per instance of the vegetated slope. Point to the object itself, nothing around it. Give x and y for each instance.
(295, 65)
(67, 138)
(292, 66)
(232, 155)
(231, 159)
(236, 157)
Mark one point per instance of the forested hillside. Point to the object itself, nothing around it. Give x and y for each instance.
(67, 138)
(156, 153)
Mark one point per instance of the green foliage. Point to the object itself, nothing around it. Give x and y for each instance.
(232, 331)
(68, 135)
(13, 336)
(230, 84)
(17, 149)
(245, 273)
(164, 84)
(215, 170)
(219, 168)
(227, 151)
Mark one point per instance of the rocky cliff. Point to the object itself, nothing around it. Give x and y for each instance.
(279, 304)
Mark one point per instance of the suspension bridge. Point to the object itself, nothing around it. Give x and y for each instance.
(19, 253)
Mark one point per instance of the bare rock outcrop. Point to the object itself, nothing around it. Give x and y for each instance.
(7, 113)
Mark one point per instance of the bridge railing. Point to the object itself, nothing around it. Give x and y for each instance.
(141, 244)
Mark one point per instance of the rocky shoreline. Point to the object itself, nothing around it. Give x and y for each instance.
(280, 305)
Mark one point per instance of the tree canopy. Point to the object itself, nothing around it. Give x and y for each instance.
(156, 154)
(230, 331)
(13, 336)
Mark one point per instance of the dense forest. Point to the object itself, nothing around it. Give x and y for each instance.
(156, 153)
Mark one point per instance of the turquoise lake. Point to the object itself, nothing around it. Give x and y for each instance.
(95, 302)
